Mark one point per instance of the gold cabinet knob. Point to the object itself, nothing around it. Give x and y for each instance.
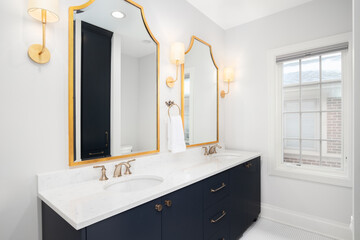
(158, 207)
(248, 165)
(168, 203)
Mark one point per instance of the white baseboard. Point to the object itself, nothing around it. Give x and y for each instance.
(309, 223)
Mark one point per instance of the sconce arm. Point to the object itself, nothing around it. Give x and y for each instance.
(43, 20)
(223, 93)
(170, 80)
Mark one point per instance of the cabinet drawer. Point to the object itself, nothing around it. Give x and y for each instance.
(216, 188)
(216, 218)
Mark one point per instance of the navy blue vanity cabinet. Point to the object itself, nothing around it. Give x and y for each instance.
(55, 227)
(182, 214)
(216, 206)
(142, 222)
(220, 207)
(245, 196)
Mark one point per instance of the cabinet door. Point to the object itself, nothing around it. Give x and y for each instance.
(245, 196)
(95, 91)
(142, 222)
(183, 219)
(55, 227)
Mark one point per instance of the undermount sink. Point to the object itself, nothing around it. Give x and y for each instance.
(134, 183)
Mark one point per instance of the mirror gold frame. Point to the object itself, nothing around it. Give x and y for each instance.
(71, 88)
(193, 38)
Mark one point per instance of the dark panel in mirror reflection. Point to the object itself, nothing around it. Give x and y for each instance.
(115, 81)
(95, 91)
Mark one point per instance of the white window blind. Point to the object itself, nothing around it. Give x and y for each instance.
(313, 52)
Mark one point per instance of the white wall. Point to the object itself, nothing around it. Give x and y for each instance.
(115, 113)
(356, 64)
(34, 99)
(146, 122)
(247, 104)
(129, 100)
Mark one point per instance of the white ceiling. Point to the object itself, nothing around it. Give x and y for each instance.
(231, 13)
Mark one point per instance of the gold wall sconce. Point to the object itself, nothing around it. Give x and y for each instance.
(228, 77)
(177, 57)
(44, 11)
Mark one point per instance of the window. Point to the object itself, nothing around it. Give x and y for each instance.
(311, 93)
(312, 112)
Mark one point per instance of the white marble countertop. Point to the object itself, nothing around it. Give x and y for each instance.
(81, 199)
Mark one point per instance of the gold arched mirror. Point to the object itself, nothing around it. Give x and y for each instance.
(113, 82)
(200, 95)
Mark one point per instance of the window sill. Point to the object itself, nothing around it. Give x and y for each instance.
(331, 177)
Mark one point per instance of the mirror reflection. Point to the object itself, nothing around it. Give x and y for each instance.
(200, 94)
(115, 82)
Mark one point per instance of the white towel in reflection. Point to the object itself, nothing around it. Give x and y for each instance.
(176, 141)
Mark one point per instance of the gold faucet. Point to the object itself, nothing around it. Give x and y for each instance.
(103, 173)
(212, 149)
(118, 167)
(206, 151)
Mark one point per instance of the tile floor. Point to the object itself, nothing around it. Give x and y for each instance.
(265, 229)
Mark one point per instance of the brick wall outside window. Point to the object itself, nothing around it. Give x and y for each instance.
(333, 131)
(334, 125)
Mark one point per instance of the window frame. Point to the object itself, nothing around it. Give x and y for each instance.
(276, 166)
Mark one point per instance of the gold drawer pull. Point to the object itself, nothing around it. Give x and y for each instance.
(219, 188)
(97, 153)
(219, 218)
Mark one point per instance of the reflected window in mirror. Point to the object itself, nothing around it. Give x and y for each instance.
(200, 94)
(113, 84)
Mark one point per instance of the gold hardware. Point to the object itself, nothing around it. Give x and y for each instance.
(97, 153)
(177, 57)
(103, 173)
(44, 12)
(219, 218)
(206, 151)
(212, 149)
(223, 93)
(228, 77)
(72, 162)
(168, 203)
(170, 82)
(170, 104)
(193, 38)
(39, 53)
(107, 138)
(219, 188)
(158, 207)
(248, 165)
(118, 167)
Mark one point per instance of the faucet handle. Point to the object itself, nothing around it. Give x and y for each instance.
(206, 151)
(128, 166)
(132, 160)
(103, 173)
